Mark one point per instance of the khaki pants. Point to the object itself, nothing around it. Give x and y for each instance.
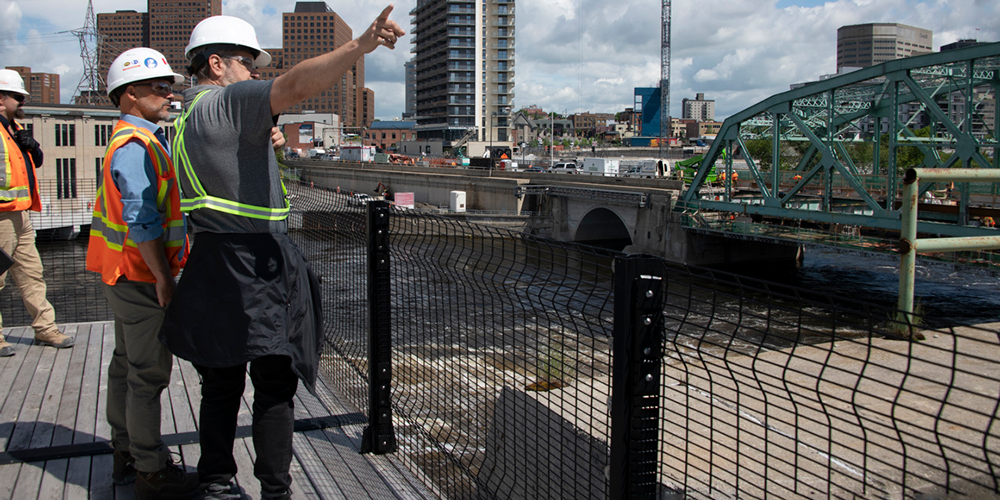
(138, 373)
(17, 238)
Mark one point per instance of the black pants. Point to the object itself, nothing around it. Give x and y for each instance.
(273, 421)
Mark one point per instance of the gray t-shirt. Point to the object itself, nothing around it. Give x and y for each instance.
(227, 137)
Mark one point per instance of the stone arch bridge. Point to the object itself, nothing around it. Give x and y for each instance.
(633, 214)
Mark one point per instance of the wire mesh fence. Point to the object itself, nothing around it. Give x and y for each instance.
(774, 392)
(503, 351)
(67, 209)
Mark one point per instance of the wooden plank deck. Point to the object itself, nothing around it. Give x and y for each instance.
(52, 404)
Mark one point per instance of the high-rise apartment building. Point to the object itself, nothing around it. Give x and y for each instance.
(698, 109)
(410, 86)
(120, 31)
(312, 29)
(170, 25)
(165, 26)
(44, 87)
(864, 45)
(464, 68)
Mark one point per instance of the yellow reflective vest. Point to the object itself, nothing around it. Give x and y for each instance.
(200, 198)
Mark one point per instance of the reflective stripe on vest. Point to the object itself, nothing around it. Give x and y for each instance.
(112, 252)
(200, 197)
(15, 194)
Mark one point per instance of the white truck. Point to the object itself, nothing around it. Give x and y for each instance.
(357, 153)
(645, 168)
(601, 166)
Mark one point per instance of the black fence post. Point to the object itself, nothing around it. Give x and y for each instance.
(640, 289)
(379, 436)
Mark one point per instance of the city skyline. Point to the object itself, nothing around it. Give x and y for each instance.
(587, 56)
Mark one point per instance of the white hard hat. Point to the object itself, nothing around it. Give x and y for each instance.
(225, 30)
(11, 81)
(139, 64)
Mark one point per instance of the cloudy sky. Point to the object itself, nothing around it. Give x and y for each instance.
(572, 55)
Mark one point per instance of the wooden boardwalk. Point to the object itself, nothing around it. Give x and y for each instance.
(52, 404)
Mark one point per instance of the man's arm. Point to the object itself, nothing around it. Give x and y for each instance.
(29, 145)
(134, 176)
(156, 260)
(312, 76)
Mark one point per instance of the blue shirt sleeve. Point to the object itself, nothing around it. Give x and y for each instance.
(138, 189)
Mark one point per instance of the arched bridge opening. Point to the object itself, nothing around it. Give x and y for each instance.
(603, 228)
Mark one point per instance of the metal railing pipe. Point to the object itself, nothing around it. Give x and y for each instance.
(957, 244)
(909, 245)
(954, 174)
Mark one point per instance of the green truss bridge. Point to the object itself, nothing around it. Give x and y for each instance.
(825, 163)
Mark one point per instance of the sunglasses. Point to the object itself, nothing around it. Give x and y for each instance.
(245, 61)
(162, 89)
(17, 97)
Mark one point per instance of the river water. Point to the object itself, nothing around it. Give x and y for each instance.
(946, 295)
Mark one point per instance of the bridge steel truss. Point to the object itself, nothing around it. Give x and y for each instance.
(838, 144)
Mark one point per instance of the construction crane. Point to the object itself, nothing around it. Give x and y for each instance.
(664, 75)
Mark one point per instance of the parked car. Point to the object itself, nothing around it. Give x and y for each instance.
(359, 199)
(565, 168)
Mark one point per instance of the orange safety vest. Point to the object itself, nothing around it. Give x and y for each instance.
(111, 252)
(15, 193)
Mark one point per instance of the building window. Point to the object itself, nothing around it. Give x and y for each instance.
(101, 134)
(65, 178)
(98, 164)
(65, 134)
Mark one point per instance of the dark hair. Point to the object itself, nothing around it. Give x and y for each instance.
(200, 56)
(116, 94)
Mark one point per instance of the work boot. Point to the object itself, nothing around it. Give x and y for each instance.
(54, 338)
(124, 468)
(6, 348)
(168, 483)
(220, 491)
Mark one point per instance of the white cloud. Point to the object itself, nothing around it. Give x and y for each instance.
(575, 55)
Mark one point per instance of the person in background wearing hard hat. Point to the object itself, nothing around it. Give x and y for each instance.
(18, 194)
(138, 243)
(247, 294)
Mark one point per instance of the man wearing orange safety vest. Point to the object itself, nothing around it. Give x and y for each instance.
(138, 243)
(18, 194)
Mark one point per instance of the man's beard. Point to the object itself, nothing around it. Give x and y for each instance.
(19, 114)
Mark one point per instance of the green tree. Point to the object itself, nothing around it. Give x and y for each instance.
(759, 150)
(907, 157)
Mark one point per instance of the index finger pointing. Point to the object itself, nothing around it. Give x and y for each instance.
(384, 16)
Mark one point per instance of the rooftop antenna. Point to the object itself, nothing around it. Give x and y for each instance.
(87, 91)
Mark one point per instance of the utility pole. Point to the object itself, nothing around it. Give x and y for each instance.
(91, 82)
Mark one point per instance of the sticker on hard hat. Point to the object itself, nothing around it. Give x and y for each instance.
(150, 62)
